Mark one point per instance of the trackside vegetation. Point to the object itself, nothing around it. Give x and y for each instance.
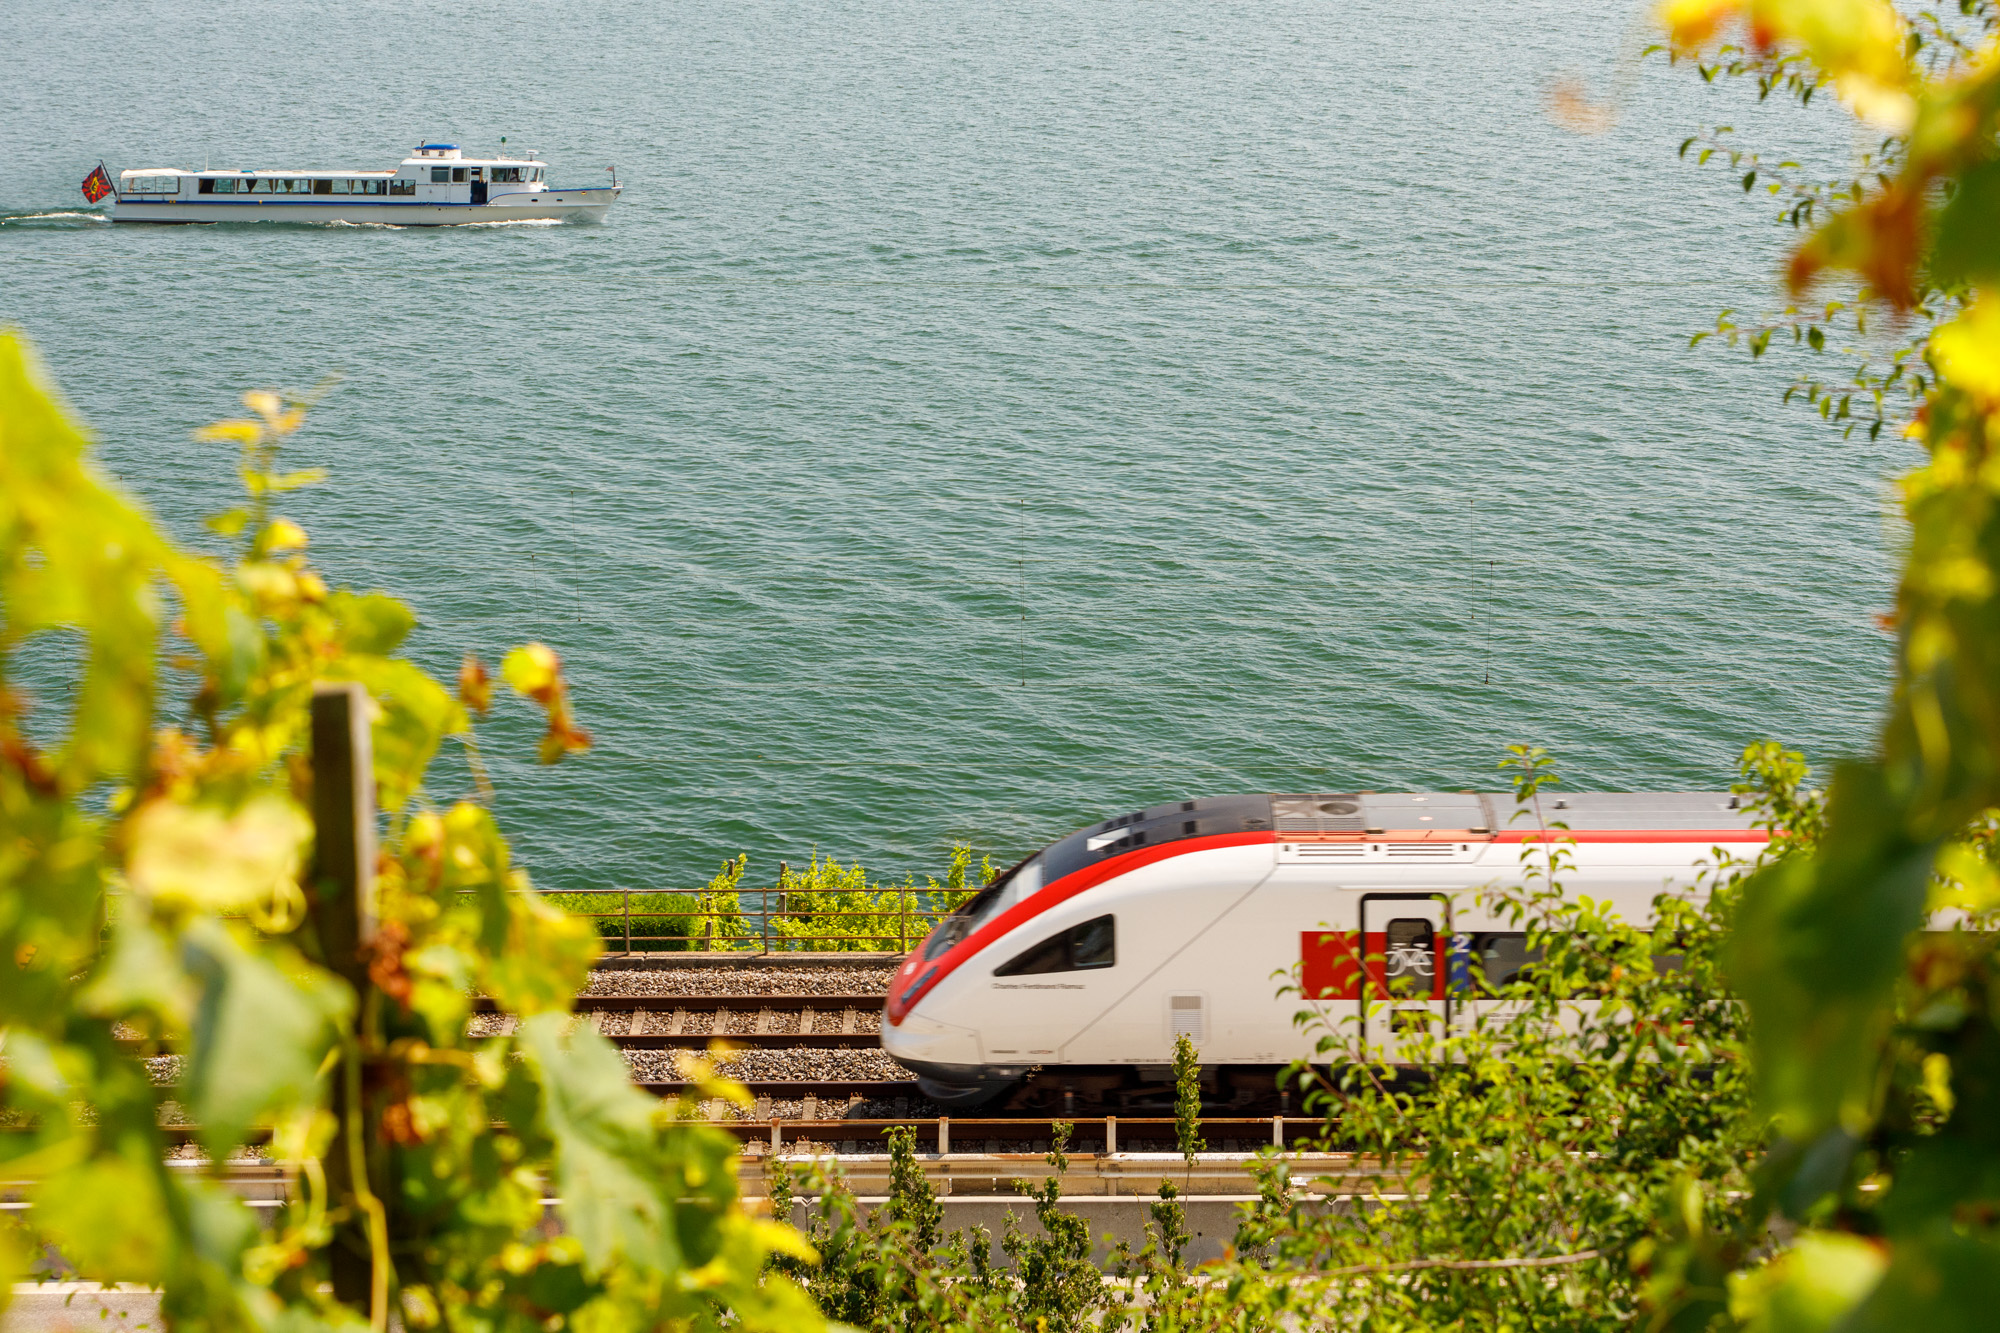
(824, 908)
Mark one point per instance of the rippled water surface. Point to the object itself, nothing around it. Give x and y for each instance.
(978, 418)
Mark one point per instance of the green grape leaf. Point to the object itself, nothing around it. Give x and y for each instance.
(105, 1214)
(1808, 1288)
(373, 622)
(259, 1035)
(1816, 951)
(615, 1200)
(1967, 248)
(139, 974)
(417, 713)
(1940, 1281)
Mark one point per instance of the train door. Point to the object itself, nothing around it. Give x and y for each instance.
(1386, 981)
(1404, 1000)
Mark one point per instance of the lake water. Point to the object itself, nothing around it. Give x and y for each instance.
(977, 419)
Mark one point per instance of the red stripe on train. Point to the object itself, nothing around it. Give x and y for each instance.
(1052, 895)
(1634, 835)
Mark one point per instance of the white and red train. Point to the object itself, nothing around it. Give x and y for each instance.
(1082, 964)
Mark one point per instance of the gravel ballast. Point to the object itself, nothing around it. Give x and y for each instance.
(797, 980)
(805, 1064)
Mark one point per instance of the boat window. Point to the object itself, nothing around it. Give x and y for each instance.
(534, 173)
(1091, 944)
(152, 185)
(458, 175)
(440, 175)
(324, 186)
(402, 187)
(506, 175)
(227, 186)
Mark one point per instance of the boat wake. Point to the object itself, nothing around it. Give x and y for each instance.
(342, 223)
(64, 218)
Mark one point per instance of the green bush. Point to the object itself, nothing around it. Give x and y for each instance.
(660, 921)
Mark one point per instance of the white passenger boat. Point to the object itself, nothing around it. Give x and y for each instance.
(437, 185)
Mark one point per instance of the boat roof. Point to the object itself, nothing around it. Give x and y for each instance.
(425, 155)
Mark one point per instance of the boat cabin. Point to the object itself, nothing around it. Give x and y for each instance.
(437, 173)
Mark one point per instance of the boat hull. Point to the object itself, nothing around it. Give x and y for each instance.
(541, 206)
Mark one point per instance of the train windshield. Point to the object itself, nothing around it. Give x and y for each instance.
(1017, 884)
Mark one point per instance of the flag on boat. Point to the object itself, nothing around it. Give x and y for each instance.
(97, 184)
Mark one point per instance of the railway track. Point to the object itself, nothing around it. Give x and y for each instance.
(751, 1021)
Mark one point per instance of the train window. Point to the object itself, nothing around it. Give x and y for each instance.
(1095, 945)
(1023, 881)
(954, 929)
(1411, 962)
(1090, 944)
(1501, 956)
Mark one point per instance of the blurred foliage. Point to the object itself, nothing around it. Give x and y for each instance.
(172, 769)
(1868, 964)
(1800, 52)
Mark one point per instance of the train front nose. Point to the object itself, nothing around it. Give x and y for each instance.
(948, 1062)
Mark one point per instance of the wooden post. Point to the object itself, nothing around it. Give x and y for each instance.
(1110, 1135)
(1278, 1132)
(628, 923)
(903, 923)
(340, 905)
(944, 1135)
(341, 899)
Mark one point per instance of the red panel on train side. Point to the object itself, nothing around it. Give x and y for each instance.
(1329, 969)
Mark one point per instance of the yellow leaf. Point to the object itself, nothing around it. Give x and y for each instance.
(284, 535)
(1968, 880)
(237, 432)
(1967, 350)
(1937, 1080)
(533, 669)
(1692, 22)
(778, 1237)
(216, 859)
